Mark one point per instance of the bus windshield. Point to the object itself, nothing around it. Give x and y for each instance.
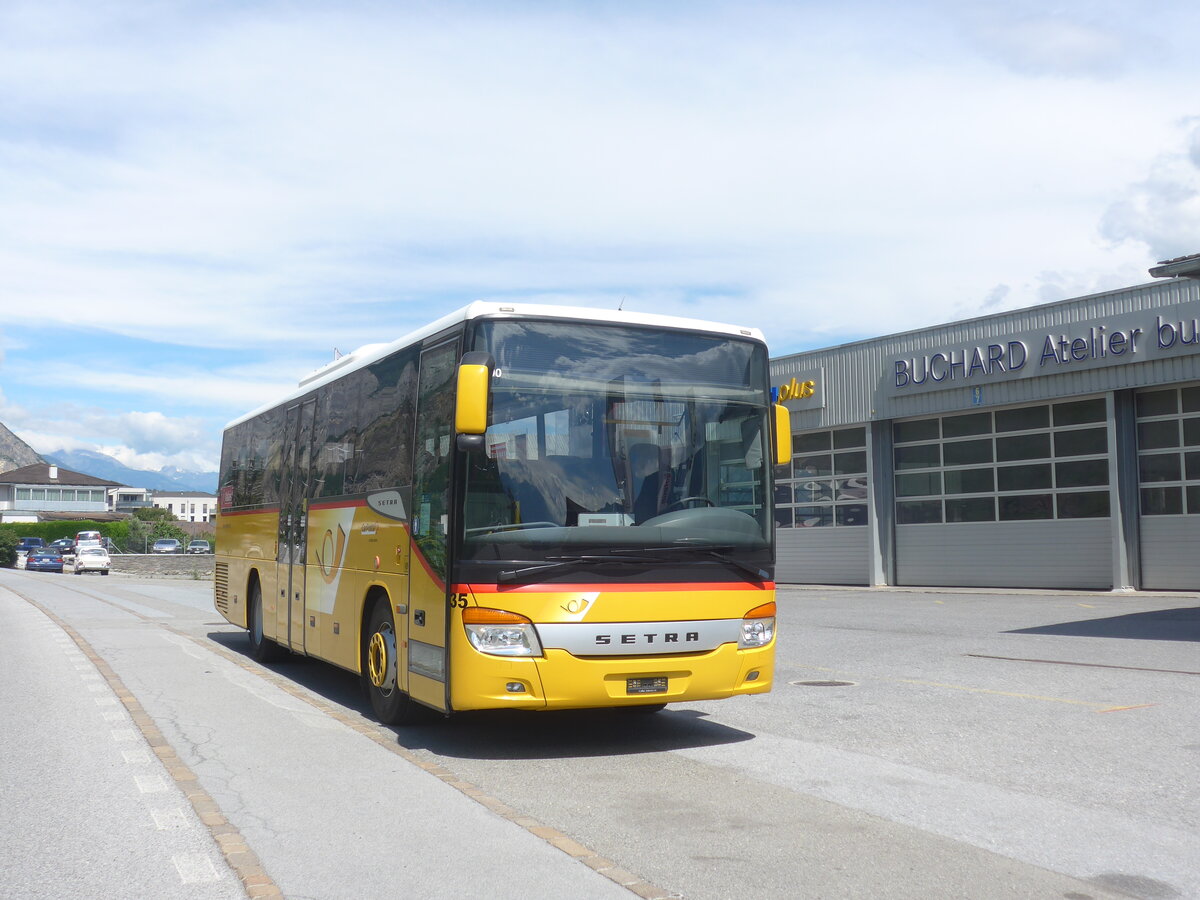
(618, 440)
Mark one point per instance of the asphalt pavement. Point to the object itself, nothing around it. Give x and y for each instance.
(917, 744)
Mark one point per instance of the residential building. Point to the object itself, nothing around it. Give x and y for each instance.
(126, 499)
(188, 506)
(28, 493)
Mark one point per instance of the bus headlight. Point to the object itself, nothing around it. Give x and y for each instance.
(500, 633)
(758, 626)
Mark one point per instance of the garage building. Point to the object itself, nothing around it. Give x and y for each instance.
(1050, 447)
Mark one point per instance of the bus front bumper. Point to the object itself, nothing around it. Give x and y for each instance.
(562, 681)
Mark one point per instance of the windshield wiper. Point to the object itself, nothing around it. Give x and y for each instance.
(716, 552)
(555, 563)
(635, 555)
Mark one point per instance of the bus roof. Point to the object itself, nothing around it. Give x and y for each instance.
(370, 353)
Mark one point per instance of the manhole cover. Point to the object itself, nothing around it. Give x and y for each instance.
(823, 683)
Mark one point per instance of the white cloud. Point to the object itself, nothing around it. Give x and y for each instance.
(151, 439)
(238, 388)
(188, 460)
(283, 178)
(264, 175)
(200, 459)
(146, 431)
(1052, 44)
(1162, 211)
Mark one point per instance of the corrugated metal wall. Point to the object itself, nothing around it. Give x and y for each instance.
(1050, 554)
(1169, 553)
(822, 556)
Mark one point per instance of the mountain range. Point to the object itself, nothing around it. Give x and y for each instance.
(168, 478)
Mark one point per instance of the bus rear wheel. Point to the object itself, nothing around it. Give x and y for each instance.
(380, 671)
(262, 648)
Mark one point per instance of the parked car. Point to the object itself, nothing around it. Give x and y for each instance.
(199, 547)
(44, 561)
(63, 545)
(89, 536)
(91, 559)
(166, 545)
(30, 544)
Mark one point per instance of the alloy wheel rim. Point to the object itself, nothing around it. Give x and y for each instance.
(381, 659)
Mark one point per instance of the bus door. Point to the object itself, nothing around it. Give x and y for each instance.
(294, 486)
(428, 662)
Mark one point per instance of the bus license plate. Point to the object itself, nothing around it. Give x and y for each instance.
(646, 685)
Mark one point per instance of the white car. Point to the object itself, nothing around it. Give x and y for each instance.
(91, 559)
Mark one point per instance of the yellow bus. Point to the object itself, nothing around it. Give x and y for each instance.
(518, 506)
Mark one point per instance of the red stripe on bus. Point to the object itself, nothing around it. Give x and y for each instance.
(416, 551)
(612, 588)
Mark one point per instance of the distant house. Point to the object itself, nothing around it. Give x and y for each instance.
(126, 499)
(188, 506)
(43, 490)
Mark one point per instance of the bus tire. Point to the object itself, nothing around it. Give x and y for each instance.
(380, 667)
(262, 648)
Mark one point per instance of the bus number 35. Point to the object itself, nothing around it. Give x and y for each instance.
(459, 600)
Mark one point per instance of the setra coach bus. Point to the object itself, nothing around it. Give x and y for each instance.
(518, 506)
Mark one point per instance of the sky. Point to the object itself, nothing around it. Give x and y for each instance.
(200, 201)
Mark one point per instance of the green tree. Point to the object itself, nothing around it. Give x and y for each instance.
(154, 514)
(145, 530)
(8, 550)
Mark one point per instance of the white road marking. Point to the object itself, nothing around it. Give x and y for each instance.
(136, 756)
(194, 868)
(171, 819)
(124, 734)
(187, 645)
(150, 784)
(106, 701)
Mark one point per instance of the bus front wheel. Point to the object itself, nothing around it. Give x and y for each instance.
(262, 648)
(380, 670)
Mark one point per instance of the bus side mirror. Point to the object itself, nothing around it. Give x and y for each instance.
(781, 433)
(471, 403)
